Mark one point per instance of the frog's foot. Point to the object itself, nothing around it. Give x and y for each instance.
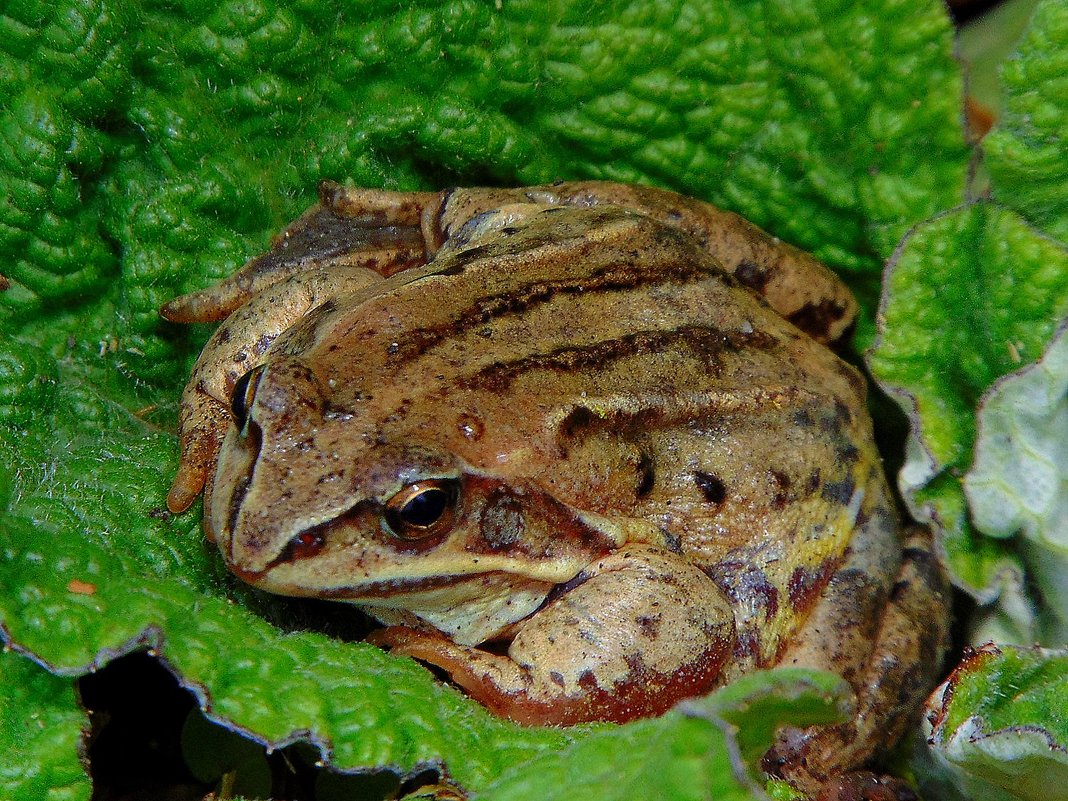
(902, 668)
(236, 347)
(374, 229)
(643, 630)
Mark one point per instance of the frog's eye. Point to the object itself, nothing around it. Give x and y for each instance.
(423, 509)
(244, 394)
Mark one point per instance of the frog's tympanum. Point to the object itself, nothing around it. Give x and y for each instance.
(583, 447)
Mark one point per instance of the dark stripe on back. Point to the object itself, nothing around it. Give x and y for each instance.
(612, 278)
(708, 344)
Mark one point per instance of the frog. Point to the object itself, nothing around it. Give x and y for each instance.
(585, 448)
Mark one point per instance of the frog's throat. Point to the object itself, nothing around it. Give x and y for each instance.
(469, 612)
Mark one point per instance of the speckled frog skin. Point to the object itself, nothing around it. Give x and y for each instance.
(597, 426)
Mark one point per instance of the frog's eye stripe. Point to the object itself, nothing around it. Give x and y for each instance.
(244, 395)
(423, 509)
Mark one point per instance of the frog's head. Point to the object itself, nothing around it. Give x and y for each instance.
(312, 500)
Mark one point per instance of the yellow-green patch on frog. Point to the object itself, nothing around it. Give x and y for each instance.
(584, 427)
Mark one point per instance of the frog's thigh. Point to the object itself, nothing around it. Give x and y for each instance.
(901, 669)
(798, 286)
(237, 346)
(645, 629)
(795, 284)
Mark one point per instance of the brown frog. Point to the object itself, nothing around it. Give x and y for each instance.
(581, 446)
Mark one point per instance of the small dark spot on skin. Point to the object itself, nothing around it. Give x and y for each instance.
(847, 454)
(711, 487)
(393, 348)
(750, 275)
(224, 335)
(577, 419)
(898, 590)
(262, 344)
(240, 356)
(782, 489)
(649, 625)
(919, 555)
(817, 318)
(813, 483)
(802, 418)
(673, 542)
(839, 492)
(842, 412)
(556, 677)
(646, 475)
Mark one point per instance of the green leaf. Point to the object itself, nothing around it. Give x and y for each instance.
(986, 42)
(968, 296)
(1018, 483)
(999, 724)
(1027, 153)
(40, 729)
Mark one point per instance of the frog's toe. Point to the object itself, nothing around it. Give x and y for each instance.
(206, 306)
(186, 486)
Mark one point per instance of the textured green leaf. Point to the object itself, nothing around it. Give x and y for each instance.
(1027, 153)
(40, 729)
(968, 296)
(1000, 725)
(1018, 483)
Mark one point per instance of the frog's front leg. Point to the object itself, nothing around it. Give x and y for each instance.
(632, 635)
(236, 347)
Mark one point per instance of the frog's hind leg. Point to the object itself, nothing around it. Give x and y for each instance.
(798, 286)
(375, 229)
(900, 669)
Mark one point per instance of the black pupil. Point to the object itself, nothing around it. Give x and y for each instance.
(426, 508)
(237, 400)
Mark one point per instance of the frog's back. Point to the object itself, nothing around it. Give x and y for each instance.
(608, 359)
